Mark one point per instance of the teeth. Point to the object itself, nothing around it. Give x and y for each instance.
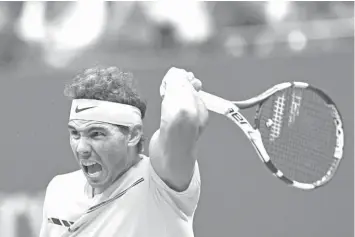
(87, 162)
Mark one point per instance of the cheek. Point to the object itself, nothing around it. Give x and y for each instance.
(73, 144)
(112, 153)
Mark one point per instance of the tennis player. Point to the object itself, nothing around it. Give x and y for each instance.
(118, 191)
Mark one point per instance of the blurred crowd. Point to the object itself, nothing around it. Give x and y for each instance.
(62, 30)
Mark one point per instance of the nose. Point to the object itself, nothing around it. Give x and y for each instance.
(83, 148)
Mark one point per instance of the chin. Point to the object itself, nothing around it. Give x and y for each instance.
(100, 183)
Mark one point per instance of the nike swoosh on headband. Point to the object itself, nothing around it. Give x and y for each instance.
(77, 110)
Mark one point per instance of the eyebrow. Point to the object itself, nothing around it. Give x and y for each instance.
(71, 127)
(93, 127)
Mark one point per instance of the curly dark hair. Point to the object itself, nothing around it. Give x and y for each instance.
(108, 84)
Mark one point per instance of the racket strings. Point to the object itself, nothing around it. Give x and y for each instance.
(279, 108)
(298, 133)
(290, 161)
(309, 139)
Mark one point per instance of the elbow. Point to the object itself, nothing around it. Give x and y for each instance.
(187, 115)
(181, 119)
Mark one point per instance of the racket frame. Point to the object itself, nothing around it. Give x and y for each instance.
(230, 109)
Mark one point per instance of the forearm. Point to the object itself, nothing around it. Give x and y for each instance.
(173, 146)
(180, 117)
(179, 125)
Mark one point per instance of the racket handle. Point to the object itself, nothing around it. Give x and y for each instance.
(217, 104)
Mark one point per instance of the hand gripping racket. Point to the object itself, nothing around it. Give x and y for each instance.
(297, 133)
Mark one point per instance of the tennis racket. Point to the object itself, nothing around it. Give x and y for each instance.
(297, 132)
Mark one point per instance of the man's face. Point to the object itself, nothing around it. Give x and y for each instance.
(100, 149)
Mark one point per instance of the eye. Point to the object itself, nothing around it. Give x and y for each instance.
(74, 134)
(97, 134)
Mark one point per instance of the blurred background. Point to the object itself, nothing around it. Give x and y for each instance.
(238, 49)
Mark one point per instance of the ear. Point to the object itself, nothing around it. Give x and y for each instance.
(135, 134)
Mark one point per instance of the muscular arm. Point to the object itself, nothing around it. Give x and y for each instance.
(173, 146)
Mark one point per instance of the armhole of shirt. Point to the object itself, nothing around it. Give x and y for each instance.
(194, 182)
(184, 203)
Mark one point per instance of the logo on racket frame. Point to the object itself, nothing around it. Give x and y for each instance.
(237, 116)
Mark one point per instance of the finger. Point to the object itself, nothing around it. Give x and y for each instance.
(197, 84)
(190, 76)
(174, 71)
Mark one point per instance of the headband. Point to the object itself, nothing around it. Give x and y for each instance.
(105, 111)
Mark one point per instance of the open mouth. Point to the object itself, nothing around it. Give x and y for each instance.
(92, 168)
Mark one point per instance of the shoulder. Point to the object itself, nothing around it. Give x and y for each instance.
(65, 183)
